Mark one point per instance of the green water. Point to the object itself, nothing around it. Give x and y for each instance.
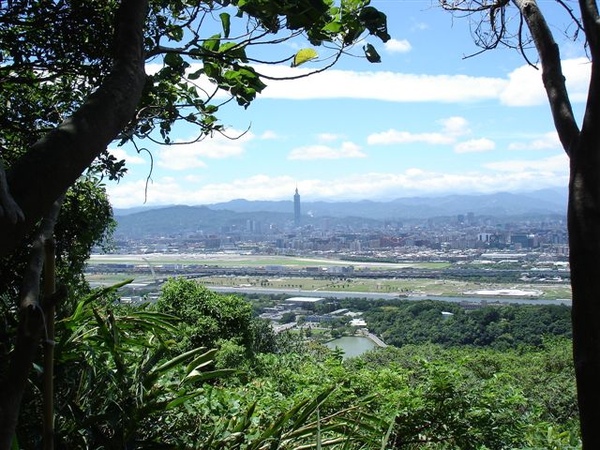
(352, 345)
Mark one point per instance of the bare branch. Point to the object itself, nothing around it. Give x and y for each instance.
(493, 16)
(313, 72)
(571, 14)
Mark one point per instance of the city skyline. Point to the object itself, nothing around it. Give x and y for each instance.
(431, 119)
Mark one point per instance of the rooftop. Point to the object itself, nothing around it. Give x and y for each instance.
(305, 299)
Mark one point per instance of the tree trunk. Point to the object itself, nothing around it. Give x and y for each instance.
(32, 313)
(583, 149)
(46, 171)
(584, 243)
(55, 162)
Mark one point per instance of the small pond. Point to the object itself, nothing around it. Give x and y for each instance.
(352, 345)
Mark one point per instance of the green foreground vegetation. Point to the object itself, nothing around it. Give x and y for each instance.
(198, 370)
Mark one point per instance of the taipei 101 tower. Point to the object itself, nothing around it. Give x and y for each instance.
(297, 208)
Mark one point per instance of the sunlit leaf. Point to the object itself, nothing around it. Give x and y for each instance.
(304, 55)
(201, 360)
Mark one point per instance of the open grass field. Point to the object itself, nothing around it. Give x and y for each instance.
(401, 286)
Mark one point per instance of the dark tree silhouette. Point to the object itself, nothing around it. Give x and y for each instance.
(530, 31)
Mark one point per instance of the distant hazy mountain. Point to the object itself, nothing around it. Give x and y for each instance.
(182, 220)
(238, 214)
(136, 209)
(500, 204)
(555, 196)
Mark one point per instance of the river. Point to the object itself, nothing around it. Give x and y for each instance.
(374, 296)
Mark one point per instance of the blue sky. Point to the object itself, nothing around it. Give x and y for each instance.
(425, 121)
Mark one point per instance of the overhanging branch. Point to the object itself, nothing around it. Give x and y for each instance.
(56, 161)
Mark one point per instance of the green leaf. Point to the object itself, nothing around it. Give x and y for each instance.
(304, 55)
(212, 44)
(234, 50)
(98, 294)
(175, 33)
(178, 359)
(333, 27)
(371, 54)
(201, 360)
(195, 75)
(174, 60)
(196, 376)
(226, 23)
(182, 399)
(376, 22)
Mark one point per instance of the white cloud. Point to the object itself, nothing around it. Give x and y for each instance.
(455, 126)
(328, 137)
(475, 146)
(269, 135)
(384, 86)
(179, 158)
(546, 141)
(418, 26)
(558, 164)
(193, 179)
(191, 156)
(120, 154)
(577, 72)
(452, 128)
(494, 177)
(396, 46)
(132, 193)
(404, 137)
(347, 150)
(420, 182)
(167, 191)
(522, 87)
(525, 87)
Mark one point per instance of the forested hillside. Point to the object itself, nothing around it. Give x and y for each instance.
(500, 327)
(197, 370)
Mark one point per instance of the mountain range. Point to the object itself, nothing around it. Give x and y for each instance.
(499, 205)
(181, 219)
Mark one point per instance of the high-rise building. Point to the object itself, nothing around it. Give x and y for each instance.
(297, 208)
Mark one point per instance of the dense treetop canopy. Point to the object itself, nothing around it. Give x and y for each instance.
(54, 54)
